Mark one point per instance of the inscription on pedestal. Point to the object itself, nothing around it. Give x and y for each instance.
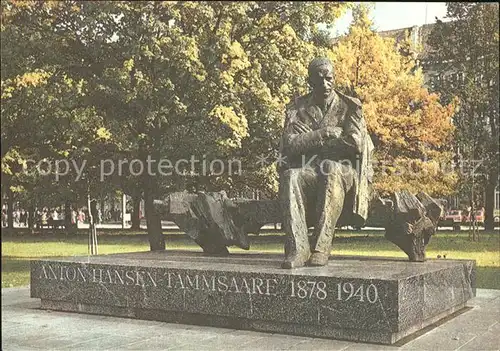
(297, 288)
(97, 275)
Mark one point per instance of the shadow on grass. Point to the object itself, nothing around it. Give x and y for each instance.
(488, 277)
(15, 264)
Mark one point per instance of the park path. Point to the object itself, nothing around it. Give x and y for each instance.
(26, 327)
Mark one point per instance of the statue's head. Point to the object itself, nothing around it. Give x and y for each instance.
(321, 75)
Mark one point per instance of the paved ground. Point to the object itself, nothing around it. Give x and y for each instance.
(26, 327)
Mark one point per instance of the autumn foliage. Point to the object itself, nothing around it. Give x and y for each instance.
(411, 129)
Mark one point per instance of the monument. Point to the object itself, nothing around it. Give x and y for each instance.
(328, 172)
(325, 183)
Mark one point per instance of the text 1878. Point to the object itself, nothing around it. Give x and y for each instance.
(308, 289)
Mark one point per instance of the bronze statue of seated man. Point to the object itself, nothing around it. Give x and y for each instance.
(326, 178)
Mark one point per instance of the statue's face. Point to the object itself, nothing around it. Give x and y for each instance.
(321, 80)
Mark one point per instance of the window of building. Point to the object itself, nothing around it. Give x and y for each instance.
(432, 82)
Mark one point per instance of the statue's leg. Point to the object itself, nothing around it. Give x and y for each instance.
(293, 186)
(334, 181)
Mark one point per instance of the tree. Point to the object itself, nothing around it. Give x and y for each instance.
(470, 41)
(44, 113)
(179, 79)
(410, 128)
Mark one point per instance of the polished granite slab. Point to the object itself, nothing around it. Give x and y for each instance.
(380, 300)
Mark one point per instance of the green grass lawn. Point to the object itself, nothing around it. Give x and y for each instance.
(18, 248)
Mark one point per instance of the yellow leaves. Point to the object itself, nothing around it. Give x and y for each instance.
(437, 120)
(434, 176)
(235, 50)
(239, 59)
(200, 77)
(240, 64)
(333, 10)
(227, 78)
(285, 89)
(263, 93)
(289, 33)
(64, 153)
(227, 116)
(7, 91)
(26, 80)
(236, 60)
(34, 79)
(17, 188)
(103, 134)
(266, 20)
(11, 160)
(23, 4)
(128, 64)
(298, 68)
(189, 56)
(237, 124)
(68, 80)
(168, 4)
(6, 160)
(238, 8)
(191, 50)
(53, 4)
(191, 4)
(79, 86)
(180, 107)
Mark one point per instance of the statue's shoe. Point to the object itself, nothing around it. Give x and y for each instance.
(318, 259)
(294, 261)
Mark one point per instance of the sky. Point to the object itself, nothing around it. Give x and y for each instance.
(394, 15)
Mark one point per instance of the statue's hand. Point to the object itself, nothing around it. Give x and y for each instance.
(301, 127)
(330, 132)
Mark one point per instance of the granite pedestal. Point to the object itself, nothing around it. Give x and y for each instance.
(354, 298)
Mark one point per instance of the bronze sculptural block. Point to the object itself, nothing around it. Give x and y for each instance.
(413, 222)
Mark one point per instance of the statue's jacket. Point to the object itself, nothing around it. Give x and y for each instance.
(311, 148)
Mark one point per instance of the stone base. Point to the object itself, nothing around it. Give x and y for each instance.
(363, 299)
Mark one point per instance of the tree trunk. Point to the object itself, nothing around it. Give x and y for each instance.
(92, 210)
(124, 210)
(31, 218)
(10, 209)
(153, 220)
(67, 218)
(136, 218)
(102, 207)
(472, 220)
(2, 193)
(489, 205)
